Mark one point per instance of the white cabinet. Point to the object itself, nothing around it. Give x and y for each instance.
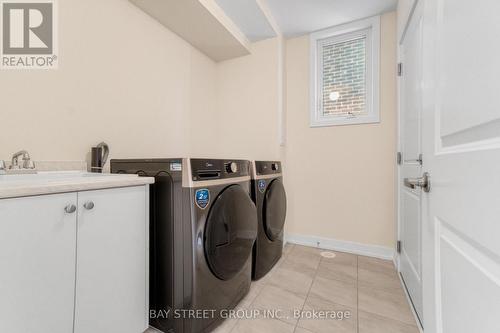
(37, 264)
(81, 270)
(111, 265)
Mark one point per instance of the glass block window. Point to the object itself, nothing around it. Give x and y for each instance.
(344, 74)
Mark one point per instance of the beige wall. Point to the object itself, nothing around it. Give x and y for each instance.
(122, 78)
(148, 93)
(247, 103)
(125, 79)
(340, 179)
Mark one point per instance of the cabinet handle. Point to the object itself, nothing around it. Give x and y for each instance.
(88, 205)
(70, 209)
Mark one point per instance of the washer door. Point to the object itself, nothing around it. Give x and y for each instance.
(230, 232)
(274, 209)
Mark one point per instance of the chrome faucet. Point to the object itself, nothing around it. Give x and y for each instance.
(27, 162)
(2, 167)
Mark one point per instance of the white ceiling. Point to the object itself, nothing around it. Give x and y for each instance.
(299, 17)
(249, 17)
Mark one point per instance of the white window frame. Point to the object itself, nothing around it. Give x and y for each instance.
(370, 28)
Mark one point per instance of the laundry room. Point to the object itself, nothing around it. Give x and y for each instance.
(301, 166)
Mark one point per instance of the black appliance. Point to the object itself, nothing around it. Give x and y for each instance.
(98, 157)
(269, 196)
(203, 226)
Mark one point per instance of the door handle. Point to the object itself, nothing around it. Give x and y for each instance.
(424, 182)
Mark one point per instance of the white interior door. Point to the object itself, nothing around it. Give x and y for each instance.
(410, 232)
(461, 145)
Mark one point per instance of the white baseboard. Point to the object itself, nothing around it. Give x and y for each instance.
(375, 251)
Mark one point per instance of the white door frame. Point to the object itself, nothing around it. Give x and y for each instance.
(398, 184)
(399, 146)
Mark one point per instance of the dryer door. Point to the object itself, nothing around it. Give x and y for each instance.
(274, 209)
(230, 232)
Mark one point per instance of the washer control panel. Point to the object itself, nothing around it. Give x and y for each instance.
(267, 167)
(208, 169)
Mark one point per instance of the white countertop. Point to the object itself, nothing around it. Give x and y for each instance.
(13, 186)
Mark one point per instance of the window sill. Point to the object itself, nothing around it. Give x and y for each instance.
(342, 121)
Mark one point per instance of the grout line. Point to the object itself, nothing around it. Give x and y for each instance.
(308, 292)
(335, 278)
(234, 327)
(393, 319)
(390, 291)
(416, 324)
(251, 303)
(264, 284)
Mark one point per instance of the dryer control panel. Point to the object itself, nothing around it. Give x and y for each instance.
(267, 168)
(208, 169)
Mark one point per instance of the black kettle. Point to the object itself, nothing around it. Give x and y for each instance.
(99, 157)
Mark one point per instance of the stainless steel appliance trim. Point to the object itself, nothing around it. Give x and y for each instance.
(253, 169)
(276, 175)
(187, 180)
(207, 183)
(186, 173)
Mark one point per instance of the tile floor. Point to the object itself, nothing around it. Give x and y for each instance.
(366, 289)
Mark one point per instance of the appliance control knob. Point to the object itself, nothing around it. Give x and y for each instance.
(275, 166)
(232, 167)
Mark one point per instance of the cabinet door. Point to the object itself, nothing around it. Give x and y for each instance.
(111, 261)
(37, 264)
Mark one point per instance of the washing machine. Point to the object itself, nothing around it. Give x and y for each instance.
(269, 196)
(203, 226)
